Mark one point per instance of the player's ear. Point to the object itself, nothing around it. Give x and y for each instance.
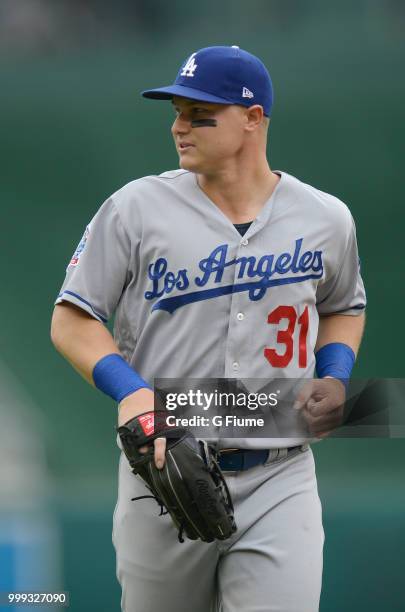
(254, 117)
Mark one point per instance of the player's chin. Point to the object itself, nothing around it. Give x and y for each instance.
(192, 165)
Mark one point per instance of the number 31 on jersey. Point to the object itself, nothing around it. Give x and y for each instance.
(286, 337)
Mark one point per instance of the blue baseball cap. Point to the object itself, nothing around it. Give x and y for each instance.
(223, 75)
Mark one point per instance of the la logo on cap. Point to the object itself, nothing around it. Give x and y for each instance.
(190, 66)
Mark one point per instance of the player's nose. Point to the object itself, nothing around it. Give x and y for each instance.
(180, 126)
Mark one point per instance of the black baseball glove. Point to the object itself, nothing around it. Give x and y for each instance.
(190, 486)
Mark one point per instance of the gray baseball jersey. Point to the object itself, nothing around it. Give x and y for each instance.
(194, 298)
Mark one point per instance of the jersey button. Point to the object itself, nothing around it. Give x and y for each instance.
(235, 365)
(240, 316)
(245, 242)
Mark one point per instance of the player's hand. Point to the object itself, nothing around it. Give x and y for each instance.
(137, 403)
(160, 452)
(321, 403)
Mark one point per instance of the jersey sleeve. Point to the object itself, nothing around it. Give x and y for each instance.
(98, 271)
(343, 291)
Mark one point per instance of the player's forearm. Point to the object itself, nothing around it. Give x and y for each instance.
(83, 341)
(80, 338)
(341, 328)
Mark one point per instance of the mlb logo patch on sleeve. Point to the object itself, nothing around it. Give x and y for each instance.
(80, 248)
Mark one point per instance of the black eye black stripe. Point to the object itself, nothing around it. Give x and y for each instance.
(204, 123)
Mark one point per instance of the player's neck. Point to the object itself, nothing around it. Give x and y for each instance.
(240, 195)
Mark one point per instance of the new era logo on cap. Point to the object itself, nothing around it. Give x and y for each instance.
(246, 93)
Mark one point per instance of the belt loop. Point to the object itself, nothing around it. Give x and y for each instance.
(282, 452)
(273, 454)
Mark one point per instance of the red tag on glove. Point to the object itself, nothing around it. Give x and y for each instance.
(147, 422)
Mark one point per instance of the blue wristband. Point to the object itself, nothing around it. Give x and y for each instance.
(335, 359)
(115, 377)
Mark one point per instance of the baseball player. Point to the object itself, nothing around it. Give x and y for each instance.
(222, 268)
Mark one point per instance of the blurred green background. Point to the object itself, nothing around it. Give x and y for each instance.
(74, 129)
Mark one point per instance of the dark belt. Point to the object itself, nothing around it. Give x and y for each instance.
(235, 459)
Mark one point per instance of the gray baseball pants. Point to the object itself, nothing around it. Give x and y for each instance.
(273, 563)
